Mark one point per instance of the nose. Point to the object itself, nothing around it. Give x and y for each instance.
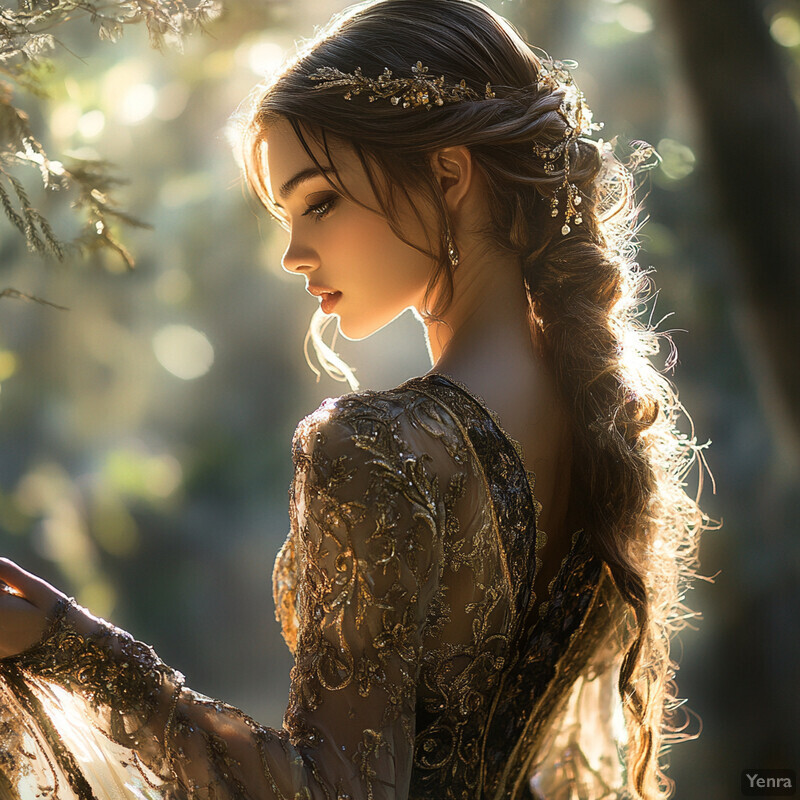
(299, 257)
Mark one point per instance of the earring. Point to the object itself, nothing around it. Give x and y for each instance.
(452, 253)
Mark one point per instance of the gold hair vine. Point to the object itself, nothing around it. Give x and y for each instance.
(421, 90)
(425, 91)
(555, 75)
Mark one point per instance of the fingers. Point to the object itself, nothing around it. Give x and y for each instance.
(6, 589)
(35, 590)
(22, 624)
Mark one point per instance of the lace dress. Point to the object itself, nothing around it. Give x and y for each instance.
(429, 662)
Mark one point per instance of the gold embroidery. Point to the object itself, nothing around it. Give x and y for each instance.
(404, 591)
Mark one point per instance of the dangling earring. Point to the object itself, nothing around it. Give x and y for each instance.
(452, 253)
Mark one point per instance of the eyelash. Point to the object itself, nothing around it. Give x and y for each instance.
(320, 210)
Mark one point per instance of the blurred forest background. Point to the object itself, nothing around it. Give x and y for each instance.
(145, 432)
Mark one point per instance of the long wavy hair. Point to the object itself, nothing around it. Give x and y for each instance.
(586, 293)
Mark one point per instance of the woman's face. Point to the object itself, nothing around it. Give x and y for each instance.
(337, 244)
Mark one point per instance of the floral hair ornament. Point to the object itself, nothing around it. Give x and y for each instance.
(423, 90)
(555, 75)
(419, 90)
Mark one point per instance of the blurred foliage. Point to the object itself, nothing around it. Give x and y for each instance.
(26, 35)
(145, 434)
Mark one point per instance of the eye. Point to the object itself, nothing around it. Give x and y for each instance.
(320, 210)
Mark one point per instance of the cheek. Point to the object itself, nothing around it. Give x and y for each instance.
(380, 273)
(394, 274)
(378, 260)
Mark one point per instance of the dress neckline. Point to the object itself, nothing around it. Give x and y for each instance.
(541, 535)
(529, 473)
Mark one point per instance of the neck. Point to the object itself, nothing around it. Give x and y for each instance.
(488, 315)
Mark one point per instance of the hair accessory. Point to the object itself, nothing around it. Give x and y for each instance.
(421, 90)
(555, 75)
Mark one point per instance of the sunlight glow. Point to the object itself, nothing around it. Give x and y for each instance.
(91, 124)
(106, 765)
(677, 160)
(134, 472)
(64, 119)
(183, 351)
(113, 526)
(182, 190)
(8, 364)
(634, 18)
(164, 475)
(785, 30)
(138, 103)
(264, 58)
(64, 538)
(41, 488)
(172, 100)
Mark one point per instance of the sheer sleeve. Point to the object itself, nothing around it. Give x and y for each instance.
(366, 521)
(582, 755)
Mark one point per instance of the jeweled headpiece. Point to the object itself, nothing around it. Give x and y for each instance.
(419, 90)
(422, 90)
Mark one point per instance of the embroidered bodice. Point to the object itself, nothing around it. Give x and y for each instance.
(429, 662)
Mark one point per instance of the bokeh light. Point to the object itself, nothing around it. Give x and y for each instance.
(677, 160)
(183, 351)
(8, 364)
(634, 18)
(138, 103)
(91, 124)
(785, 30)
(263, 57)
(173, 286)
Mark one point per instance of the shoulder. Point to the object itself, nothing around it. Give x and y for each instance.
(347, 415)
(402, 421)
(397, 449)
(374, 477)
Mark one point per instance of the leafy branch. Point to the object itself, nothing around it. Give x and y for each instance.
(26, 36)
(24, 33)
(22, 296)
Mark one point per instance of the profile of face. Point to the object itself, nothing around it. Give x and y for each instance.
(339, 245)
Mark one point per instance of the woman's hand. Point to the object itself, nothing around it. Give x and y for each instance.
(26, 606)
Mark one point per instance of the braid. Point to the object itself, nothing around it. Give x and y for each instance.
(585, 291)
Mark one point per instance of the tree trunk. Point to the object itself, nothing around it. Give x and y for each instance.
(751, 129)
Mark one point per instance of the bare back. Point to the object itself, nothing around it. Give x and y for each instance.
(527, 405)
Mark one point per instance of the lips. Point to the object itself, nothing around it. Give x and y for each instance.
(318, 291)
(328, 296)
(328, 300)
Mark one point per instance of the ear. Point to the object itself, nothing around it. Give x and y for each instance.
(454, 169)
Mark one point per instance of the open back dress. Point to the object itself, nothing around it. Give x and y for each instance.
(429, 660)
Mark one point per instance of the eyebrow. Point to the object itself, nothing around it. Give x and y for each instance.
(300, 177)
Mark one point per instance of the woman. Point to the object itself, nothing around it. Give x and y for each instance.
(422, 156)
